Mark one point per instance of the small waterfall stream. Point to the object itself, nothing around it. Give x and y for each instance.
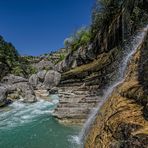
(128, 51)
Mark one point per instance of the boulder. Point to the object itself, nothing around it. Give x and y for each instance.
(33, 80)
(26, 92)
(41, 75)
(11, 79)
(18, 88)
(52, 79)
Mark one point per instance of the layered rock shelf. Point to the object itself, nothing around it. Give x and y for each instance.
(75, 103)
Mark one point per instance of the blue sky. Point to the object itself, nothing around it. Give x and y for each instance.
(40, 26)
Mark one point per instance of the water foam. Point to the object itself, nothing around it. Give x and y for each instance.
(19, 113)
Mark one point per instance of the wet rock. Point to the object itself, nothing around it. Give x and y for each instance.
(123, 121)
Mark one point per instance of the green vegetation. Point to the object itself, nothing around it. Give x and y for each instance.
(8, 53)
(105, 10)
(79, 38)
(15, 64)
(139, 17)
(103, 13)
(62, 57)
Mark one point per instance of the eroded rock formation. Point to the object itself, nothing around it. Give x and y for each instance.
(122, 120)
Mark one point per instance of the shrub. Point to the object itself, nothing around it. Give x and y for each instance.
(79, 38)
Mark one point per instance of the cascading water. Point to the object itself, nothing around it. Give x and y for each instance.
(128, 50)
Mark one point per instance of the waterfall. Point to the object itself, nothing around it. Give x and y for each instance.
(128, 51)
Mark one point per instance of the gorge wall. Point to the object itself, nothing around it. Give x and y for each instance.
(122, 120)
(87, 71)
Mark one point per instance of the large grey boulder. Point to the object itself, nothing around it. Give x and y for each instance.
(26, 92)
(19, 88)
(11, 79)
(41, 75)
(33, 80)
(52, 79)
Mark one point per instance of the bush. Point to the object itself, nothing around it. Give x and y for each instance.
(80, 38)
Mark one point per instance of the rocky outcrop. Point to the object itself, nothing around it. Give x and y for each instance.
(45, 79)
(122, 120)
(43, 65)
(75, 103)
(17, 88)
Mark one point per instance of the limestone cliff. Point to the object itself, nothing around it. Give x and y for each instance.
(87, 71)
(122, 120)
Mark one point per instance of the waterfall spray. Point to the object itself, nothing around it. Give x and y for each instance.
(128, 51)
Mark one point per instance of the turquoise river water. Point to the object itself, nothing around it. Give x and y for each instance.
(32, 126)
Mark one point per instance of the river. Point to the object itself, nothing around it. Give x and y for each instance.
(32, 126)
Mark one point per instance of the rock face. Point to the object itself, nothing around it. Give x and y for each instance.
(75, 103)
(97, 64)
(18, 88)
(122, 121)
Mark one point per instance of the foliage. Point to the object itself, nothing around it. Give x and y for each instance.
(8, 53)
(17, 70)
(62, 57)
(79, 38)
(16, 64)
(25, 63)
(102, 14)
(31, 70)
(139, 17)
